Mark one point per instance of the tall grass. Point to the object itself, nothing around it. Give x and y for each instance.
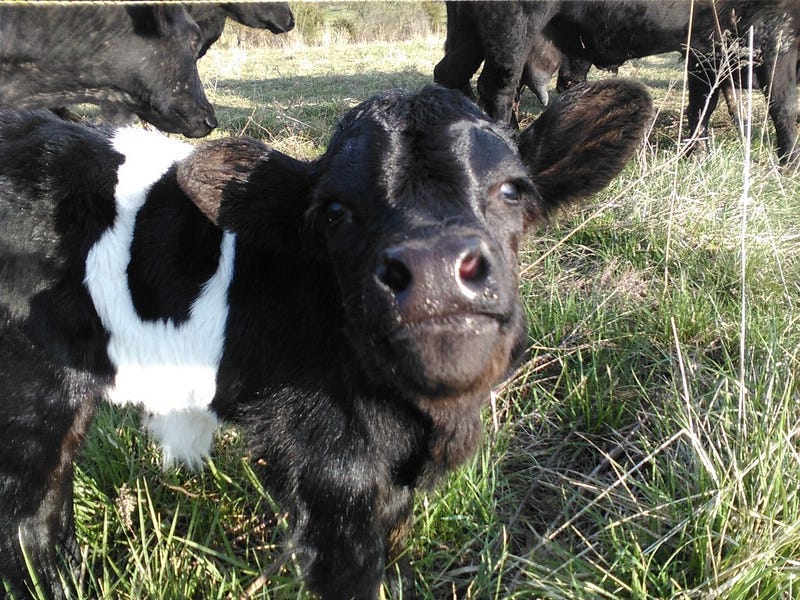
(326, 23)
(647, 448)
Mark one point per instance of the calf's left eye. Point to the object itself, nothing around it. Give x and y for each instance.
(509, 192)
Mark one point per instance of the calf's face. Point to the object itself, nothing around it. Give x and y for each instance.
(419, 206)
(275, 16)
(160, 62)
(416, 209)
(409, 223)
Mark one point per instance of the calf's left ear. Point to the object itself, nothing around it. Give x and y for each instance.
(154, 19)
(583, 140)
(248, 188)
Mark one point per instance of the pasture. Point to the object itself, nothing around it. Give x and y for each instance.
(648, 446)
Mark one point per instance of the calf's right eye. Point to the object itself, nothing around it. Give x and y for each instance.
(336, 213)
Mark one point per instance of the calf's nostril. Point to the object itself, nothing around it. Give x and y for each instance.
(472, 265)
(394, 273)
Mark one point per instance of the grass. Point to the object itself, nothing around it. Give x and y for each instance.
(648, 447)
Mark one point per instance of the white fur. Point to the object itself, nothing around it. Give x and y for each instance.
(185, 435)
(169, 369)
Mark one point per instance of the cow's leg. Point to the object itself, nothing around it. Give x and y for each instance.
(463, 51)
(573, 70)
(506, 55)
(458, 66)
(729, 93)
(397, 519)
(703, 98)
(777, 75)
(44, 414)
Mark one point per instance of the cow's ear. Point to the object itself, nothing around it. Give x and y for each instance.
(583, 140)
(150, 20)
(248, 188)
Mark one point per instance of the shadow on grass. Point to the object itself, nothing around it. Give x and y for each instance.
(307, 105)
(322, 88)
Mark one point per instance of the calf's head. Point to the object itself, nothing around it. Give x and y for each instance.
(418, 204)
(159, 66)
(274, 16)
(417, 209)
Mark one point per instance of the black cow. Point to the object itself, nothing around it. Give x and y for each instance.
(210, 18)
(608, 32)
(464, 54)
(275, 16)
(350, 314)
(134, 59)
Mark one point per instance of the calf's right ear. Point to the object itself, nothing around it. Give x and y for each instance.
(249, 189)
(583, 140)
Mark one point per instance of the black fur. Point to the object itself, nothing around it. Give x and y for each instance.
(372, 309)
(175, 251)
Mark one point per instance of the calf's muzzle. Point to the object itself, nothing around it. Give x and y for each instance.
(439, 276)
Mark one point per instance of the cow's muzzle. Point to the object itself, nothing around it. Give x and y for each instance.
(454, 309)
(439, 277)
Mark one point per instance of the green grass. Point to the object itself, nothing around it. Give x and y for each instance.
(648, 447)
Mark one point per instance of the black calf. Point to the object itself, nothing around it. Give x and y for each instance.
(350, 314)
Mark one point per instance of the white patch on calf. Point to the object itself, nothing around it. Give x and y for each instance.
(169, 369)
(185, 435)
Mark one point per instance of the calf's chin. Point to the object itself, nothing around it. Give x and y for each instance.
(451, 357)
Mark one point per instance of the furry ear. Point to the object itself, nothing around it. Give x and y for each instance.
(160, 20)
(248, 188)
(206, 173)
(584, 139)
(150, 21)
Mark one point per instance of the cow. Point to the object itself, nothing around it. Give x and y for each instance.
(606, 33)
(738, 79)
(464, 54)
(277, 17)
(136, 59)
(350, 313)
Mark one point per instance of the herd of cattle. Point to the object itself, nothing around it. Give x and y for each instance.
(351, 313)
(526, 42)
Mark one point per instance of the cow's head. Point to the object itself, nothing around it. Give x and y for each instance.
(275, 16)
(159, 64)
(418, 207)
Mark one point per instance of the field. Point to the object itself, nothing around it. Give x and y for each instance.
(648, 447)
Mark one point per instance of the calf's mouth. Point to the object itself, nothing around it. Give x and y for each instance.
(452, 355)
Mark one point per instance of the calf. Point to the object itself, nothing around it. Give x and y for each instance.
(210, 18)
(131, 59)
(350, 314)
(275, 16)
(464, 53)
(608, 32)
